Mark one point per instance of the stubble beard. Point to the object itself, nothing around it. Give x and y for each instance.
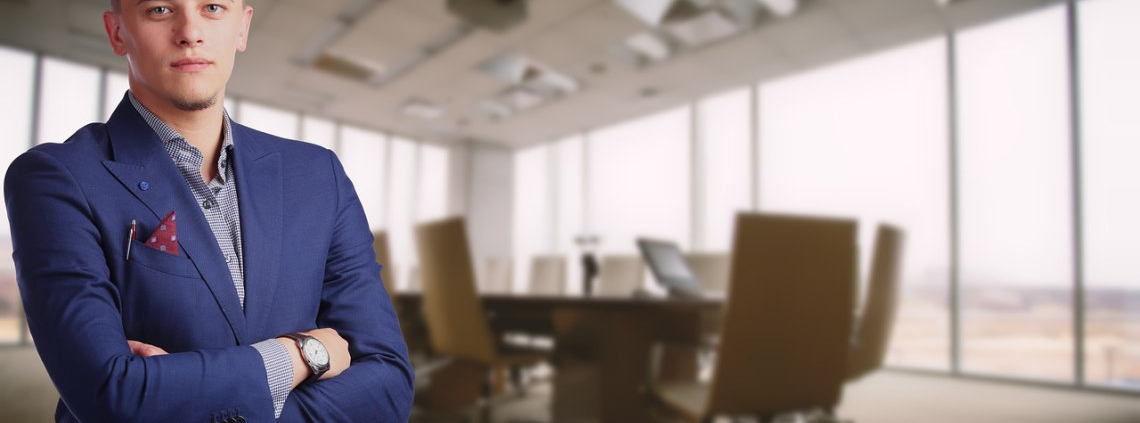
(194, 105)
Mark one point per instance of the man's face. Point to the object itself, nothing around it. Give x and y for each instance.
(179, 51)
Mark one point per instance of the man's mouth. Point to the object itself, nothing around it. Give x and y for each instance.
(191, 64)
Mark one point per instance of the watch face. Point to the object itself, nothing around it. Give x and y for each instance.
(316, 352)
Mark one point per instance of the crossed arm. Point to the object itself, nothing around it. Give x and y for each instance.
(75, 316)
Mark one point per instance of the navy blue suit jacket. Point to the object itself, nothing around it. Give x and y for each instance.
(308, 263)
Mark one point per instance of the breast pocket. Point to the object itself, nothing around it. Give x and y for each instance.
(161, 261)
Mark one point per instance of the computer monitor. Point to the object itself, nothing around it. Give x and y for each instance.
(669, 267)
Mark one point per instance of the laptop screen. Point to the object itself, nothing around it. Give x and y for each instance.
(669, 266)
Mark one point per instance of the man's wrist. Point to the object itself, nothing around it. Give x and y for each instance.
(301, 370)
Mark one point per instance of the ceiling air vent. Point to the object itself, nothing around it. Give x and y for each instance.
(495, 15)
(356, 70)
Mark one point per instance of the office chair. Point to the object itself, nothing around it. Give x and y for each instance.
(786, 322)
(498, 274)
(457, 325)
(872, 337)
(620, 275)
(380, 246)
(548, 275)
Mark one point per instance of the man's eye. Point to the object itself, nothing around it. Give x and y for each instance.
(160, 10)
(214, 8)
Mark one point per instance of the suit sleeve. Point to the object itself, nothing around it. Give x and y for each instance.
(74, 316)
(378, 385)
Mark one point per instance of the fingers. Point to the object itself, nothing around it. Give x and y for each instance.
(144, 350)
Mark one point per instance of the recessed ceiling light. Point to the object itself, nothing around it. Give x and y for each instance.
(421, 109)
(702, 29)
(781, 8)
(649, 46)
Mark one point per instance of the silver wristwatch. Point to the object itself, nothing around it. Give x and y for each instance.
(314, 353)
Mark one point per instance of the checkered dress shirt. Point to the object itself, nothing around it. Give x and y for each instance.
(219, 203)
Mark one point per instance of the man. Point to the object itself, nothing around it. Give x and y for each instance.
(256, 294)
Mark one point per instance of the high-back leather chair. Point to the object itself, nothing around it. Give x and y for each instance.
(872, 337)
(548, 275)
(620, 275)
(786, 322)
(457, 325)
(497, 272)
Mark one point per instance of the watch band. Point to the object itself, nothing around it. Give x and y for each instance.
(315, 371)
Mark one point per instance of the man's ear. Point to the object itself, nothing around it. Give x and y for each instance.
(243, 35)
(111, 24)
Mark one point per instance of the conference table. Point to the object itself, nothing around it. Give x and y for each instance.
(602, 345)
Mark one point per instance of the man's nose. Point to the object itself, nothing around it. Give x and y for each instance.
(189, 30)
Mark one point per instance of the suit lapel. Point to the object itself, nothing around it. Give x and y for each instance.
(259, 178)
(145, 169)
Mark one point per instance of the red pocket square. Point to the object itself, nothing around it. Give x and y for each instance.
(165, 238)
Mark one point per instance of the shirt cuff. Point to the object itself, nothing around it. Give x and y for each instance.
(279, 371)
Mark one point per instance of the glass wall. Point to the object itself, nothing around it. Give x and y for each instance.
(533, 218)
(639, 181)
(1110, 141)
(871, 138)
(319, 131)
(432, 176)
(268, 119)
(569, 206)
(401, 209)
(724, 151)
(868, 139)
(116, 86)
(69, 99)
(17, 90)
(363, 154)
(1015, 206)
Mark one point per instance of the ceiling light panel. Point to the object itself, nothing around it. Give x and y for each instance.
(421, 109)
(702, 29)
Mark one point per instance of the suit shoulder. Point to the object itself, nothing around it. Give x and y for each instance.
(86, 143)
(272, 142)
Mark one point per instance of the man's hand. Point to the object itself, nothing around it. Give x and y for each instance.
(144, 350)
(339, 358)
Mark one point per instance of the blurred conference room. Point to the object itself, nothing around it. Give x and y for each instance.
(683, 210)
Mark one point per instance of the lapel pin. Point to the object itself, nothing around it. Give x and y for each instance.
(144, 185)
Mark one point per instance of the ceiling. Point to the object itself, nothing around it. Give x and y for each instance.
(444, 55)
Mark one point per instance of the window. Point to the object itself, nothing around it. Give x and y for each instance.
(69, 99)
(568, 207)
(401, 209)
(233, 108)
(867, 139)
(724, 145)
(115, 87)
(362, 152)
(533, 221)
(1016, 253)
(17, 89)
(319, 131)
(1110, 145)
(432, 191)
(639, 182)
(268, 119)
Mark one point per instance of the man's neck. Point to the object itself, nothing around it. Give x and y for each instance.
(201, 128)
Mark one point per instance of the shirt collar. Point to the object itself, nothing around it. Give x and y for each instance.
(166, 134)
